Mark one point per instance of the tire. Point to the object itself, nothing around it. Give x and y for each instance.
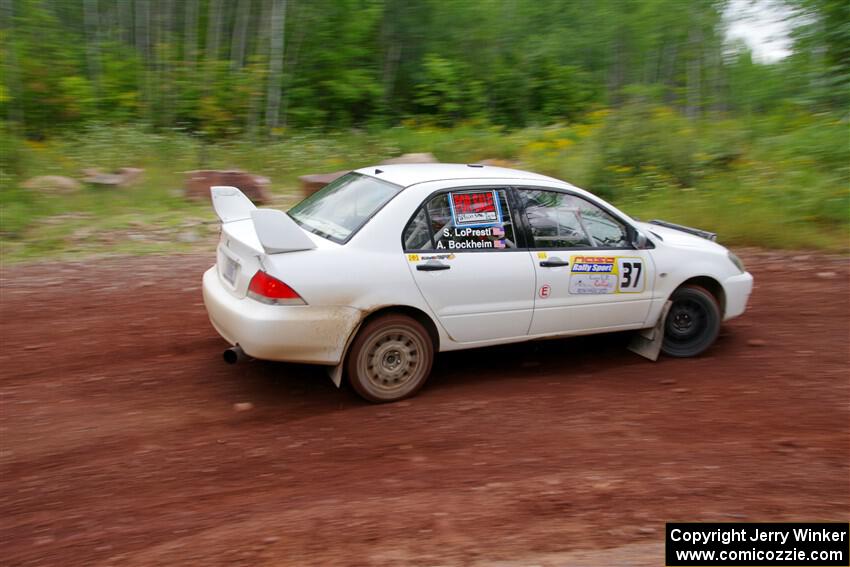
(390, 359)
(693, 322)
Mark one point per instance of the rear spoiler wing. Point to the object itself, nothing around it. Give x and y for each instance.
(695, 231)
(276, 230)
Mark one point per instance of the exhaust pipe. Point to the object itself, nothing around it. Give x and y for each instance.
(234, 354)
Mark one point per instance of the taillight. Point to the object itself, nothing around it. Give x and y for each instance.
(267, 289)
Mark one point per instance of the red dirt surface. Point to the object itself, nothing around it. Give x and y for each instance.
(121, 444)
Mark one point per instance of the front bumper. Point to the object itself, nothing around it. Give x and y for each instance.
(738, 289)
(292, 333)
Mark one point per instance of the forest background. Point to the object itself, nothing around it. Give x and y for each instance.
(647, 103)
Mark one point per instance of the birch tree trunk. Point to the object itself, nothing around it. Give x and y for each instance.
(213, 33)
(125, 20)
(190, 45)
(278, 22)
(694, 71)
(240, 33)
(7, 25)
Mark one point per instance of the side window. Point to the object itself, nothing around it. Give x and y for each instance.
(417, 235)
(559, 220)
(463, 220)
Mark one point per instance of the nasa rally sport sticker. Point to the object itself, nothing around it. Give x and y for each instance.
(600, 275)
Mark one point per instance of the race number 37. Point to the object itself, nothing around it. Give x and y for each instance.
(631, 275)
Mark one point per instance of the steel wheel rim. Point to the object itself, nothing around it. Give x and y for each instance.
(392, 360)
(686, 321)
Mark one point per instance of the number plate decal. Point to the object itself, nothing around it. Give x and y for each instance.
(229, 270)
(631, 275)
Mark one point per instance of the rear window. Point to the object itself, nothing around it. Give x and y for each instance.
(341, 208)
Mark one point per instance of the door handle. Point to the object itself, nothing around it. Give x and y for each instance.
(429, 267)
(554, 263)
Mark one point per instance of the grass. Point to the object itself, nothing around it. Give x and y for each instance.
(777, 183)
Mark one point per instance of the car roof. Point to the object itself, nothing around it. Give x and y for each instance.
(411, 174)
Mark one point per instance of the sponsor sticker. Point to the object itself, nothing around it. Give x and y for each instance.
(427, 257)
(597, 275)
(475, 209)
(593, 284)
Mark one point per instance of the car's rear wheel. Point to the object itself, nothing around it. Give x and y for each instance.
(693, 322)
(390, 358)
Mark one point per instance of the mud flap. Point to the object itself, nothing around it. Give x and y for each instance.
(647, 342)
(335, 372)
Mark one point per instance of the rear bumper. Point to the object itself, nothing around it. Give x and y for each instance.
(292, 333)
(738, 289)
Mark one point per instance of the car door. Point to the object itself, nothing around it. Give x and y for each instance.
(463, 253)
(589, 276)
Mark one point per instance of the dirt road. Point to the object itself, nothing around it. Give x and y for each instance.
(121, 444)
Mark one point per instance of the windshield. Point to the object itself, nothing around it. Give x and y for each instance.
(340, 208)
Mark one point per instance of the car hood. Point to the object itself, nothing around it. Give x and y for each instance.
(679, 239)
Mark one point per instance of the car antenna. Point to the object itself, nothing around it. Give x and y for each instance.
(377, 171)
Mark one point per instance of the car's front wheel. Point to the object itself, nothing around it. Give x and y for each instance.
(693, 322)
(390, 358)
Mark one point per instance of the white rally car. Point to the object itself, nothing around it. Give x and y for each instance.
(387, 265)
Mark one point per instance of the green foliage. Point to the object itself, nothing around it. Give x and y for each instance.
(641, 101)
(781, 181)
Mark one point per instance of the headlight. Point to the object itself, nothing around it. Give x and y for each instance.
(737, 261)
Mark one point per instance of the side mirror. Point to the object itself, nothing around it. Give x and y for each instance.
(639, 241)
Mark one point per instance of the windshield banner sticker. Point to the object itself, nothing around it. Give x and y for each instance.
(596, 275)
(475, 209)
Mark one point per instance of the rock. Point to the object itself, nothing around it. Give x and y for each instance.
(198, 184)
(52, 184)
(411, 158)
(756, 343)
(826, 275)
(130, 175)
(681, 390)
(668, 381)
(188, 236)
(124, 177)
(243, 406)
(315, 181)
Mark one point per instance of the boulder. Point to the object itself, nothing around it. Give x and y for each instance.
(411, 158)
(315, 181)
(124, 177)
(52, 184)
(198, 184)
(130, 175)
